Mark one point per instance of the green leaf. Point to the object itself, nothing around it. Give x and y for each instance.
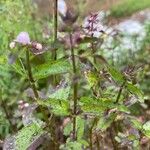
(116, 75)
(18, 68)
(26, 138)
(80, 128)
(26, 135)
(92, 79)
(51, 68)
(68, 128)
(58, 107)
(146, 129)
(136, 91)
(123, 108)
(74, 145)
(3, 60)
(105, 121)
(95, 105)
(61, 93)
(136, 124)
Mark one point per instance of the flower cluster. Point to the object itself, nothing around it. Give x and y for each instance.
(22, 105)
(24, 40)
(93, 24)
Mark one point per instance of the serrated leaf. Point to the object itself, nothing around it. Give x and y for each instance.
(74, 145)
(68, 128)
(52, 68)
(61, 92)
(26, 135)
(95, 105)
(136, 91)
(58, 107)
(123, 108)
(25, 138)
(80, 128)
(116, 75)
(105, 121)
(146, 129)
(91, 78)
(18, 69)
(137, 124)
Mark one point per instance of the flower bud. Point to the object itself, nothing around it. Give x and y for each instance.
(26, 105)
(38, 46)
(12, 45)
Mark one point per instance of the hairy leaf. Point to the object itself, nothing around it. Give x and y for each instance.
(116, 75)
(136, 91)
(58, 107)
(105, 121)
(92, 79)
(61, 92)
(146, 129)
(51, 68)
(26, 138)
(136, 124)
(95, 105)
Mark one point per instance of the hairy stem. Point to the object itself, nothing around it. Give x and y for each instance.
(75, 86)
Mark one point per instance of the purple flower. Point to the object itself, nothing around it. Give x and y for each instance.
(93, 24)
(23, 38)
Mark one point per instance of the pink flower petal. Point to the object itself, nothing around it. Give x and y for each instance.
(23, 38)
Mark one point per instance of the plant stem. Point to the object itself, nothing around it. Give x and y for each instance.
(111, 134)
(97, 142)
(55, 26)
(120, 91)
(75, 86)
(32, 82)
(92, 44)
